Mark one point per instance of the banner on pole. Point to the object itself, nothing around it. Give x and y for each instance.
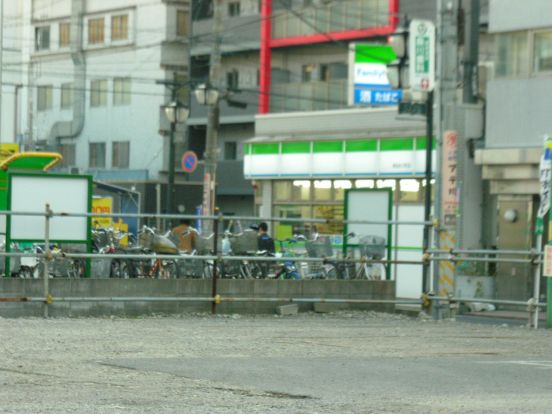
(449, 188)
(545, 175)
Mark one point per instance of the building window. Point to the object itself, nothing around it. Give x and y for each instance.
(119, 27)
(543, 52)
(121, 91)
(230, 151)
(68, 152)
(203, 9)
(64, 35)
(232, 79)
(511, 54)
(42, 38)
(96, 155)
(333, 71)
(96, 30)
(234, 8)
(120, 154)
(44, 97)
(307, 72)
(66, 95)
(98, 93)
(182, 23)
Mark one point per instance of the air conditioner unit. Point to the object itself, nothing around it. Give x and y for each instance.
(485, 74)
(75, 170)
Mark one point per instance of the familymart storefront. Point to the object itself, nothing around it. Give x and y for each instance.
(304, 163)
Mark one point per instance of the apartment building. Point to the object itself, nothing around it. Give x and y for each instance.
(92, 78)
(517, 120)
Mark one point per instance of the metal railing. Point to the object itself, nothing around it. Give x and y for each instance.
(333, 17)
(531, 257)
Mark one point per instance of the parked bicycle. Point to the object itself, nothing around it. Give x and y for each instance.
(59, 264)
(106, 240)
(371, 248)
(151, 243)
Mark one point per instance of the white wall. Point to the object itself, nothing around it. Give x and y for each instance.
(512, 15)
(138, 58)
(15, 41)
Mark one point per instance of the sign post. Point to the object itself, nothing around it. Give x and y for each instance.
(189, 161)
(544, 209)
(421, 49)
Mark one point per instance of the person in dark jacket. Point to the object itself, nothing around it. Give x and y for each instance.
(264, 241)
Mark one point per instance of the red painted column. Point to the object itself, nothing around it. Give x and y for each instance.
(265, 57)
(394, 6)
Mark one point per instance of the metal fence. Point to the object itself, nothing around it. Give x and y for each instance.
(296, 259)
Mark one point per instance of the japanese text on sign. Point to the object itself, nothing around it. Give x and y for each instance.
(449, 186)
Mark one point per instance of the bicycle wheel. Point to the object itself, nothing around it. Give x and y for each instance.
(259, 270)
(361, 272)
(167, 269)
(245, 271)
(124, 270)
(115, 269)
(80, 267)
(330, 274)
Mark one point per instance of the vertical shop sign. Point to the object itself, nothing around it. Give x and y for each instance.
(449, 186)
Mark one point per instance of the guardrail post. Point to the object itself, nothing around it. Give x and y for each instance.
(47, 256)
(534, 310)
(216, 226)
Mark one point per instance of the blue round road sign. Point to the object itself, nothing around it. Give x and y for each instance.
(189, 161)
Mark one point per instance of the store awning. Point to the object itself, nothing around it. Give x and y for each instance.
(43, 161)
(276, 157)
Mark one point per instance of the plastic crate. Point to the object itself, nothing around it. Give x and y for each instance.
(322, 247)
(372, 247)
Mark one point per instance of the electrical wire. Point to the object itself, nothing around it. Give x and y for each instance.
(148, 80)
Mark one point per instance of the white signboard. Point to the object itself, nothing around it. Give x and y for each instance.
(421, 50)
(64, 194)
(373, 205)
(547, 268)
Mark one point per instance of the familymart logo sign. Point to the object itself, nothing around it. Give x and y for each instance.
(371, 74)
(369, 79)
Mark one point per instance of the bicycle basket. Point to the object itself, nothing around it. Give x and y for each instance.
(372, 247)
(319, 248)
(245, 242)
(206, 245)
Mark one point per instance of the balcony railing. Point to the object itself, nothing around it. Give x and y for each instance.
(308, 96)
(334, 17)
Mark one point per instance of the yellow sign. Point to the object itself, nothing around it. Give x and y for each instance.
(122, 227)
(102, 205)
(7, 150)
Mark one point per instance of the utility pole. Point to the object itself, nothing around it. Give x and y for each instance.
(471, 50)
(211, 144)
(170, 174)
(428, 178)
(447, 84)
